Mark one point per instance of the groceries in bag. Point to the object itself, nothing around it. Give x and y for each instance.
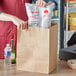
(39, 16)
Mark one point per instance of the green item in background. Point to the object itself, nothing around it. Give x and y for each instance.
(13, 52)
(0, 12)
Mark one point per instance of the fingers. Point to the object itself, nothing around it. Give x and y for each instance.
(44, 4)
(26, 25)
(18, 26)
(38, 3)
(23, 26)
(41, 3)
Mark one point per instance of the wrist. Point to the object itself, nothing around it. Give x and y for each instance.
(50, 2)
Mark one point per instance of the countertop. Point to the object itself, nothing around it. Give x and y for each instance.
(62, 70)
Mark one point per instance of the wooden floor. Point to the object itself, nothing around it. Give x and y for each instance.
(62, 70)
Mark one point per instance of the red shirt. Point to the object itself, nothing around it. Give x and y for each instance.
(8, 30)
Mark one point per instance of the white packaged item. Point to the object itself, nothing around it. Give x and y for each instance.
(39, 16)
(33, 14)
(46, 13)
(72, 64)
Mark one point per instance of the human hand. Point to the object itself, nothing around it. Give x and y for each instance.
(23, 25)
(43, 3)
(20, 23)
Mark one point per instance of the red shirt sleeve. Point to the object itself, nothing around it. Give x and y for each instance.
(1, 5)
(1, 1)
(27, 1)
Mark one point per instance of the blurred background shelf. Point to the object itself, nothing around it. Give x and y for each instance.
(55, 19)
(68, 30)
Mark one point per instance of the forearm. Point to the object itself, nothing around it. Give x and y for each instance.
(6, 17)
(18, 22)
(56, 5)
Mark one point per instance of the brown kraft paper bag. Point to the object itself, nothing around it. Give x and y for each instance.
(37, 49)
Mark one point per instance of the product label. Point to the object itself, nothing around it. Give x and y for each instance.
(8, 53)
(12, 56)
